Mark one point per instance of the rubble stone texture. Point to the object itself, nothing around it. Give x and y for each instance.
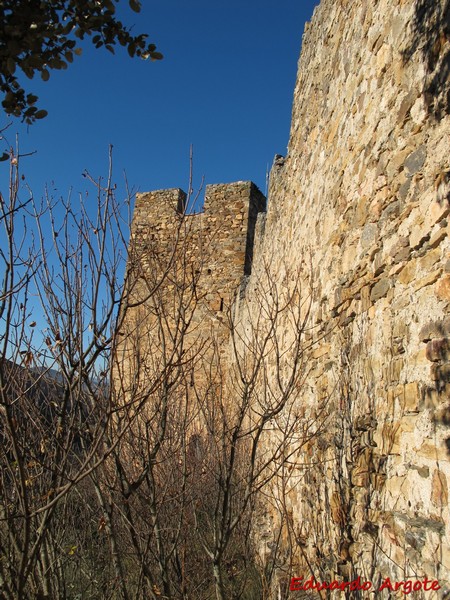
(184, 271)
(360, 206)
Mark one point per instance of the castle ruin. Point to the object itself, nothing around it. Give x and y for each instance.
(359, 211)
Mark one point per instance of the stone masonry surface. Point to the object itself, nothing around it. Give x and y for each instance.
(359, 207)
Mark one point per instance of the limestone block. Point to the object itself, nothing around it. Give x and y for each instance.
(422, 471)
(406, 103)
(384, 57)
(361, 212)
(411, 397)
(378, 480)
(369, 235)
(397, 487)
(442, 288)
(404, 189)
(408, 273)
(439, 489)
(384, 437)
(433, 451)
(360, 474)
(438, 211)
(440, 373)
(427, 280)
(400, 328)
(380, 289)
(430, 259)
(419, 111)
(437, 349)
(392, 210)
(419, 235)
(432, 399)
(398, 160)
(402, 255)
(396, 269)
(349, 257)
(415, 161)
(437, 237)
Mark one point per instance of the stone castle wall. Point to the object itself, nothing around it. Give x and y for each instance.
(219, 239)
(358, 214)
(364, 194)
(184, 271)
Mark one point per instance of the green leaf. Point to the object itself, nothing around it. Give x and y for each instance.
(11, 65)
(31, 99)
(29, 72)
(131, 49)
(45, 75)
(41, 114)
(135, 5)
(34, 61)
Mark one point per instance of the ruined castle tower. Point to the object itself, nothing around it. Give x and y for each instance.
(191, 265)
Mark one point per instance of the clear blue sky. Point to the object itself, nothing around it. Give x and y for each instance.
(225, 85)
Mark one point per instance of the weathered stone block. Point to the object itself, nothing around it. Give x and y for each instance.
(435, 329)
(391, 211)
(406, 106)
(402, 255)
(442, 289)
(437, 349)
(427, 280)
(404, 189)
(369, 235)
(438, 211)
(440, 373)
(411, 397)
(419, 235)
(321, 350)
(437, 238)
(416, 160)
(380, 289)
(439, 489)
(430, 259)
(433, 452)
(408, 273)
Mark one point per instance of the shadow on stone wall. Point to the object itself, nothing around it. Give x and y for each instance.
(436, 335)
(431, 37)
